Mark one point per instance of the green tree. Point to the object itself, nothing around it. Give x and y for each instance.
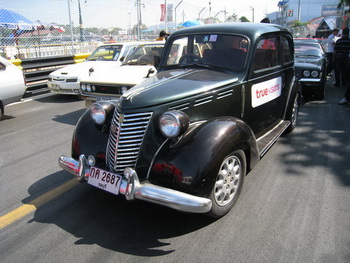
(244, 19)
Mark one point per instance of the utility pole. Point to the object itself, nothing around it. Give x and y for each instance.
(139, 20)
(81, 28)
(71, 26)
(252, 8)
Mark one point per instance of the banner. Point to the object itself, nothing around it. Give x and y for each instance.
(168, 11)
(162, 12)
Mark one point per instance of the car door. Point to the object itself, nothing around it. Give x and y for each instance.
(265, 89)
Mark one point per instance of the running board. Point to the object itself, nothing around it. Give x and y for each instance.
(266, 141)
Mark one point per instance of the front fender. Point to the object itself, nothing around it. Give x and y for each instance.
(191, 164)
(90, 138)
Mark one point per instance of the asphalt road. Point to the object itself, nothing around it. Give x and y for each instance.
(294, 206)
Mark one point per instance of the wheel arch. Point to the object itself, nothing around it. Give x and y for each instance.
(190, 164)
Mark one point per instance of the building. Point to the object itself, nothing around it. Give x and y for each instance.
(322, 16)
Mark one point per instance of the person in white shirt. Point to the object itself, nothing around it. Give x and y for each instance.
(330, 49)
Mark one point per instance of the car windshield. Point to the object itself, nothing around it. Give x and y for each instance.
(106, 53)
(307, 50)
(214, 50)
(144, 54)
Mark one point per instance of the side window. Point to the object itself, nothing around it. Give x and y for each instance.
(266, 54)
(287, 50)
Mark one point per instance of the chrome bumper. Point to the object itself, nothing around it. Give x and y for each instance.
(132, 188)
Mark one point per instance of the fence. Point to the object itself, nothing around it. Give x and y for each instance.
(46, 50)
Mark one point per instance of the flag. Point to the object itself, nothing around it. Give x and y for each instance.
(162, 14)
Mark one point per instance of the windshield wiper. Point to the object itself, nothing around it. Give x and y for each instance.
(197, 65)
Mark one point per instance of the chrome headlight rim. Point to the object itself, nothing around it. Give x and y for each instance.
(306, 73)
(173, 124)
(314, 73)
(83, 86)
(98, 113)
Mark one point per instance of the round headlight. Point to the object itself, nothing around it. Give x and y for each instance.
(314, 73)
(88, 88)
(173, 123)
(98, 113)
(93, 88)
(306, 73)
(83, 87)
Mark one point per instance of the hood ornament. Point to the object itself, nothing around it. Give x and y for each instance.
(90, 71)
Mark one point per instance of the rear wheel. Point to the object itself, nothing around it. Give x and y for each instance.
(292, 114)
(228, 183)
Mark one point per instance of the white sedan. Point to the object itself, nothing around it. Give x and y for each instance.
(108, 84)
(109, 56)
(12, 84)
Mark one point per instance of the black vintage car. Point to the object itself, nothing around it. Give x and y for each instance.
(186, 137)
(311, 64)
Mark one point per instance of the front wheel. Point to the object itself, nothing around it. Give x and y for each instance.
(228, 184)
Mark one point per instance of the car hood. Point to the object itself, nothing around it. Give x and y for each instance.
(82, 69)
(173, 85)
(305, 65)
(131, 75)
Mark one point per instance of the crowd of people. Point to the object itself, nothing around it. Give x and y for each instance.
(338, 54)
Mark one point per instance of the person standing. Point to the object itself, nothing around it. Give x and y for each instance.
(330, 49)
(162, 36)
(341, 57)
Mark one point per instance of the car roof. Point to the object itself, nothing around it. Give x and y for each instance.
(251, 30)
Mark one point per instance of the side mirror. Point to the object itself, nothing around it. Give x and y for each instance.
(150, 71)
(122, 59)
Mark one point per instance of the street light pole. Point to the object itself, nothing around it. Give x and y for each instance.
(199, 15)
(175, 14)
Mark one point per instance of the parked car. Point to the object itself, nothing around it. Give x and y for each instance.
(311, 67)
(109, 56)
(111, 83)
(12, 84)
(186, 137)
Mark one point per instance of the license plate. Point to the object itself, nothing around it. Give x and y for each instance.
(55, 86)
(104, 180)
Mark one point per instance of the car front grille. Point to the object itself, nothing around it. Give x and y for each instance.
(125, 139)
(108, 89)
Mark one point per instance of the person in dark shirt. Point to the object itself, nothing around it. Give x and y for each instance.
(341, 57)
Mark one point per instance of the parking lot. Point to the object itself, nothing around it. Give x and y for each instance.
(293, 207)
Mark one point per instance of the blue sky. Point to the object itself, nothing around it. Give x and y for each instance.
(122, 13)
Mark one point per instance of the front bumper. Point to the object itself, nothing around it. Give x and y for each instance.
(62, 87)
(132, 188)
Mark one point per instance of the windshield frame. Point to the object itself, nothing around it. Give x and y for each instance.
(112, 50)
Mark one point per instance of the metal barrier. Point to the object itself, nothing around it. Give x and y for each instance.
(37, 70)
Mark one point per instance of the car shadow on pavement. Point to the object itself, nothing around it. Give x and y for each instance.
(96, 217)
(70, 118)
(58, 98)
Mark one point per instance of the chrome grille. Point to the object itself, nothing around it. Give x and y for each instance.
(125, 139)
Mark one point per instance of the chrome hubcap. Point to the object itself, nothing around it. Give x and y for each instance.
(228, 180)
